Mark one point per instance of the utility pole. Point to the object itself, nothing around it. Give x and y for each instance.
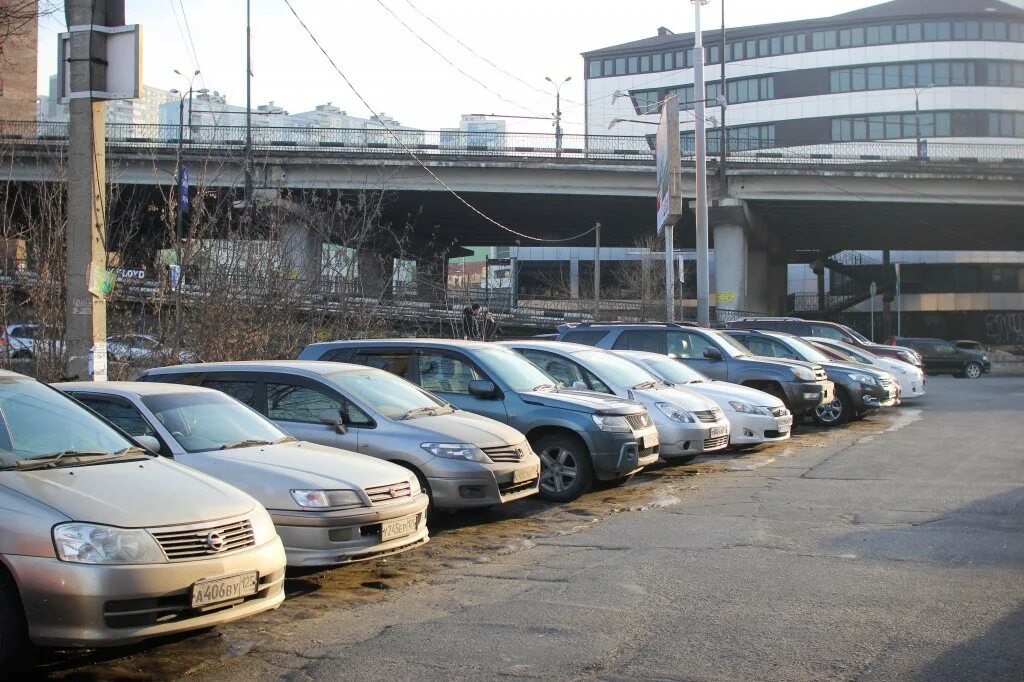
(248, 112)
(700, 142)
(558, 112)
(597, 272)
(85, 314)
(723, 139)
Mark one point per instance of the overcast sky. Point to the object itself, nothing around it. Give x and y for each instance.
(394, 70)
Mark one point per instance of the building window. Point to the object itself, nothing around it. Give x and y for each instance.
(776, 45)
(632, 65)
(595, 68)
(608, 67)
(645, 63)
(668, 61)
(788, 44)
(714, 54)
(680, 60)
(656, 62)
(750, 49)
(762, 47)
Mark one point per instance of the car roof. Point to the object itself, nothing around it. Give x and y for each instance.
(642, 355)
(14, 375)
(540, 344)
(300, 366)
(427, 342)
(125, 388)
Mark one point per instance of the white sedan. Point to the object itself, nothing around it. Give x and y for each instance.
(910, 378)
(754, 416)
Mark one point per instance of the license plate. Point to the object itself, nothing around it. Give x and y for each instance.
(523, 475)
(718, 432)
(648, 441)
(228, 588)
(389, 530)
(785, 423)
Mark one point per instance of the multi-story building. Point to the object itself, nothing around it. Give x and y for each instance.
(144, 110)
(18, 58)
(942, 71)
(475, 132)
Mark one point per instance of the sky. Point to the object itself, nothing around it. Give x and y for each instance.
(395, 70)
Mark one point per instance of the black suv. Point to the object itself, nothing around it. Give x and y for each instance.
(802, 386)
(827, 330)
(942, 357)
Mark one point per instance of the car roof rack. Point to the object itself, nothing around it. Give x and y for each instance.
(767, 318)
(680, 325)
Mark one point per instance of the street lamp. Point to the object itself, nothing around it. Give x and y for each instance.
(917, 112)
(701, 189)
(558, 112)
(191, 81)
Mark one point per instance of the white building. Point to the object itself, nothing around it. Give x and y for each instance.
(144, 110)
(475, 132)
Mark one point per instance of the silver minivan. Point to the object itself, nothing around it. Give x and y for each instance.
(104, 544)
(462, 459)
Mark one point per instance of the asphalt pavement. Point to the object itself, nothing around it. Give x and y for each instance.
(889, 549)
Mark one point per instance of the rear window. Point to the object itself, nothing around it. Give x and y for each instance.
(588, 337)
(649, 340)
(394, 361)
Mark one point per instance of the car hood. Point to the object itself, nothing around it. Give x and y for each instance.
(133, 494)
(270, 472)
(581, 401)
(723, 391)
(784, 362)
(464, 427)
(676, 395)
(853, 367)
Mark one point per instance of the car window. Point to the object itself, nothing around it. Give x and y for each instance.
(394, 361)
(683, 344)
(759, 346)
(650, 340)
(302, 404)
(588, 337)
(392, 396)
(446, 373)
(23, 332)
(240, 390)
(121, 413)
(145, 342)
(826, 332)
(205, 421)
(945, 348)
(566, 371)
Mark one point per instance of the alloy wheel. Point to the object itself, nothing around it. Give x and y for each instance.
(558, 469)
(831, 413)
(973, 370)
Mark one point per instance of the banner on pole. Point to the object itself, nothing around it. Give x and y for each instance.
(670, 196)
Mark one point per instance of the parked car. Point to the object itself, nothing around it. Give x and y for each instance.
(801, 386)
(145, 348)
(942, 357)
(687, 424)
(859, 388)
(330, 506)
(828, 330)
(461, 459)
(754, 416)
(29, 340)
(580, 436)
(910, 377)
(103, 544)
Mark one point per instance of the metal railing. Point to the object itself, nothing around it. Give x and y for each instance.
(430, 144)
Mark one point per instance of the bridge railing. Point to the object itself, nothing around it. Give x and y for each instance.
(428, 144)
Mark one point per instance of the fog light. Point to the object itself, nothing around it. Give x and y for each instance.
(686, 445)
(471, 492)
(748, 433)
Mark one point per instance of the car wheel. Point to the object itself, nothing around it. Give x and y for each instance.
(972, 370)
(566, 471)
(16, 651)
(834, 413)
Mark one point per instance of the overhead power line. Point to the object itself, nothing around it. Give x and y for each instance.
(413, 154)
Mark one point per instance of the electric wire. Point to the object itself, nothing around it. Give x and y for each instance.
(415, 156)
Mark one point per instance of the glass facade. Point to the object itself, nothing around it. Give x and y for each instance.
(920, 74)
(908, 125)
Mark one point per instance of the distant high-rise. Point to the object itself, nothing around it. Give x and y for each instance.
(18, 56)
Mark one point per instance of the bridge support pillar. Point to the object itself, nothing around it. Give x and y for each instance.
(432, 276)
(376, 273)
(749, 276)
(302, 246)
(574, 278)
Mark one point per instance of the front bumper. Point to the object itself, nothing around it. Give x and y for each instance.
(486, 487)
(802, 396)
(911, 386)
(84, 605)
(872, 397)
(751, 429)
(344, 537)
(623, 454)
(682, 440)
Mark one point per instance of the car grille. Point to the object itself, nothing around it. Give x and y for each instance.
(778, 411)
(819, 374)
(506, 489)
(506, 454)
(389, 493)
(885, 382)
(713, 443)
(708, 415)
(639, 421)
(196, 542)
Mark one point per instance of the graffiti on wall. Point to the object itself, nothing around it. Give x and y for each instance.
(1005, 328)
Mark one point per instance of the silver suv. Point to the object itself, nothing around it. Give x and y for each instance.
(462, 459)
(103, 544)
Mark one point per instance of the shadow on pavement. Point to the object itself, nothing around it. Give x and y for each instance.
(994, 655)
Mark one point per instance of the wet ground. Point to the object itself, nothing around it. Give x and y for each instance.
(498, 544)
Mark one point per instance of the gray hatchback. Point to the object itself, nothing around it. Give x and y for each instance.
(462, 459)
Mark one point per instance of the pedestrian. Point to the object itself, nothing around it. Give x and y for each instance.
(470, 322)
(490, 327)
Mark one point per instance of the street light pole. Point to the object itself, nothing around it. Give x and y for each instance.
(700, 143)
(917, 114)
(558, 112)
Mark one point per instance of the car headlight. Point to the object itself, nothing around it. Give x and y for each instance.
(907, 357)
(803, 374)
(87, 543)
(262, 526)
(324, 499)
(675, 413)
(864, 379)
(747, 408)
(614, 423)
(984, 358)
(466, 451)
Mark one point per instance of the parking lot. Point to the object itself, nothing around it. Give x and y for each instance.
(891, 548)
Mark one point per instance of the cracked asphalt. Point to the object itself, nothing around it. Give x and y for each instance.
(889, 549)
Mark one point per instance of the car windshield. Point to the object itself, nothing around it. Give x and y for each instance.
(389, 395)
(206, 420)
(732, 347)
(675, 372)
(856, 353)
(856, 334)
(612, 369)
(806, 351)
(37, 421)
(513, 369)
(835, 352)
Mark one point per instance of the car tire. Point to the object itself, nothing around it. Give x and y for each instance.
(973, 370)
(566, 471)
(16, 651)
(835, 413)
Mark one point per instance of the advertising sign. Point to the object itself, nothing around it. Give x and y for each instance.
(670, 198)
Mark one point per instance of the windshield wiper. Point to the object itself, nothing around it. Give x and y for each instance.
(418, 411)
(53, 459)
(286, 439)
(543, 387)
(645, 384)
(252, 442)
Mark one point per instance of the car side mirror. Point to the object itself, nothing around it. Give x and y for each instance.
(580, 386)
(333, 418)
(149, 443)
(712, 353)
(482, 388)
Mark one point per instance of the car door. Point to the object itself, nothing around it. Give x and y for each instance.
(447, 373)
(947, 357)
(296, 404)
(689, 347)
(930, 356)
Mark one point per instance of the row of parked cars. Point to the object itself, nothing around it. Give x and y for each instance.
(137, 509)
